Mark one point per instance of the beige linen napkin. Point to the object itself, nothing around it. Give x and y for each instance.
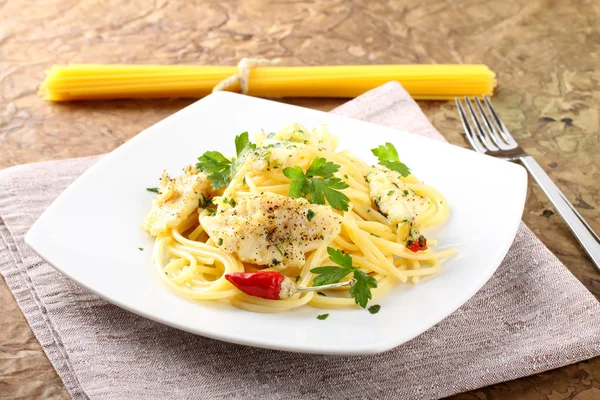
(532, 315)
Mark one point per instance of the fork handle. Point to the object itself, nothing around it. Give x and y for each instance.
(582, 231)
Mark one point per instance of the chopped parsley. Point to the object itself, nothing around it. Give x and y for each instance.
(153, 190)
(346, 176)
(361, 291)
(204, 201)
(323, 316)
(140, 248)
(318, 183)
(230, 201)
(405, 192)
(388, 157)
(374, 309)
(219, 168)
(310, 214)
(220, 242)
(391, 192)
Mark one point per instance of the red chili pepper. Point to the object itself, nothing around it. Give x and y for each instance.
(274, 286)
(260, 284)
(419, 244)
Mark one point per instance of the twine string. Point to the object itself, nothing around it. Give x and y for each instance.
(243, 74)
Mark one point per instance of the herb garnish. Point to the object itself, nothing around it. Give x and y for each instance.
(323, 316)
(310, 214)
(388, 157)
(318, 183)
(219, 168)
(204, 201)
(361, 291)
(153, 190)
(374, 309)
(230, 201)
(140, 248)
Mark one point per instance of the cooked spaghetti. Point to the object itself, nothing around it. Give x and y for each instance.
(285, 203)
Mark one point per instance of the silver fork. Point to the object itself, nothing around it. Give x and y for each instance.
(488, 135)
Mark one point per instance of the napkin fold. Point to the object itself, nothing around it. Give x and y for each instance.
(532, 315)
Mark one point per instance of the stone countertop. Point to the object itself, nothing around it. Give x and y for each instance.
(545, 53)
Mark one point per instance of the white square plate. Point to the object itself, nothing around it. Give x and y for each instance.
(91, 232)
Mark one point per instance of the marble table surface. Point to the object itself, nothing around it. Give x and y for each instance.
(546, 54)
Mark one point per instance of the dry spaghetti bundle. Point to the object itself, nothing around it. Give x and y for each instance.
(427, 82)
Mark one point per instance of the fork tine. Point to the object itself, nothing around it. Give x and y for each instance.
(480, 132)
(468, 131)
(490, 130)
(508, 138)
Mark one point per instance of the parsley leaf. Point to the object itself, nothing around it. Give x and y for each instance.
(336, 199)
(328, 275)
(219, 168)
(388, 157)
(310, 214)
(298, 180)
(316, 191)
(361, 291)
(321, 167)
(140, 248)
(339, 257)
(243, 144)
(323, 316)
(318, 183)
(153, 190)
